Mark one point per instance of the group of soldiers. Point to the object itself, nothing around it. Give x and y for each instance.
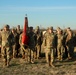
(60, 43)
(12, 47)
(55, 43)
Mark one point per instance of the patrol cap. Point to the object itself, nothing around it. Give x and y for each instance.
(18, 25)
(31, 27)
(51, 28)
(37, 28)
(14, 28)
(58, 28)
(68, 28)
(7, 26)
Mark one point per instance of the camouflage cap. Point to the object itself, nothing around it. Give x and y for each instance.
(31, 27)
(14, 28)
(68, 29)
(58, 28)
(7, 26)
(51, 28)
(37, 28)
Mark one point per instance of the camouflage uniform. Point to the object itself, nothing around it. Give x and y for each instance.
(31, 35)
(70, 44)
(0, 44)
(60, 47)
(19, 31)
(7, 42)
(24, 50)
(38, 42)
(15, 34)
(49, 43)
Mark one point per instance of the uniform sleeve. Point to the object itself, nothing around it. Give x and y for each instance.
(20, 39)
(44, 40)
(12, 39)
(55, 40)
(0, 39)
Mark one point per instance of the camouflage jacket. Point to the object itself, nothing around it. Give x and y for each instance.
(31, 42)
(49, 40)
(7, 38)
(60, 39)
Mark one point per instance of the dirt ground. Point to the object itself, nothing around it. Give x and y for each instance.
(18, 66)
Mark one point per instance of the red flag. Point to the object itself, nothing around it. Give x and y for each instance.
(24, 34)
(25, 24)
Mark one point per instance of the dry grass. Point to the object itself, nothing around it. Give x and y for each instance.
(20, 67)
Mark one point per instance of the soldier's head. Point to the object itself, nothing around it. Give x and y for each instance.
(70, 32)
(50, 29)
(18, 27)
(31, 29)
(6, 27)
(13, 30)
(68, 29)
(59, 31)
(58, 28)
(37, 29)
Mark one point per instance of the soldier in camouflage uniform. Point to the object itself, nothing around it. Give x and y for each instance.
(0, 43)
(70, 43)
(19, 31)
(49, 44)
(7, 42)
(38, 42)
(15, 34)
(31, 44)
(24, 50)
(60, 47)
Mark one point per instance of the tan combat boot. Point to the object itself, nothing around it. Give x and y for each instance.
(51, 64)
(32, 61)
(5, 64)
(23, 56)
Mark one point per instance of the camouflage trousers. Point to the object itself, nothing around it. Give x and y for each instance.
(14, 51)
(49, 54)
(0, 52)
(37, 52)
(6, 54)
(32, 53)
(60, 51)
(70, 50)
(25, 51)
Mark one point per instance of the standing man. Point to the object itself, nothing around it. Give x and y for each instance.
(7, 42)
(60, 44)
(15, 34)
(31, 44)
(38, 42)
(19, 31)
(24, 50)
(70, 43)
(0, 43)
(49, 44)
